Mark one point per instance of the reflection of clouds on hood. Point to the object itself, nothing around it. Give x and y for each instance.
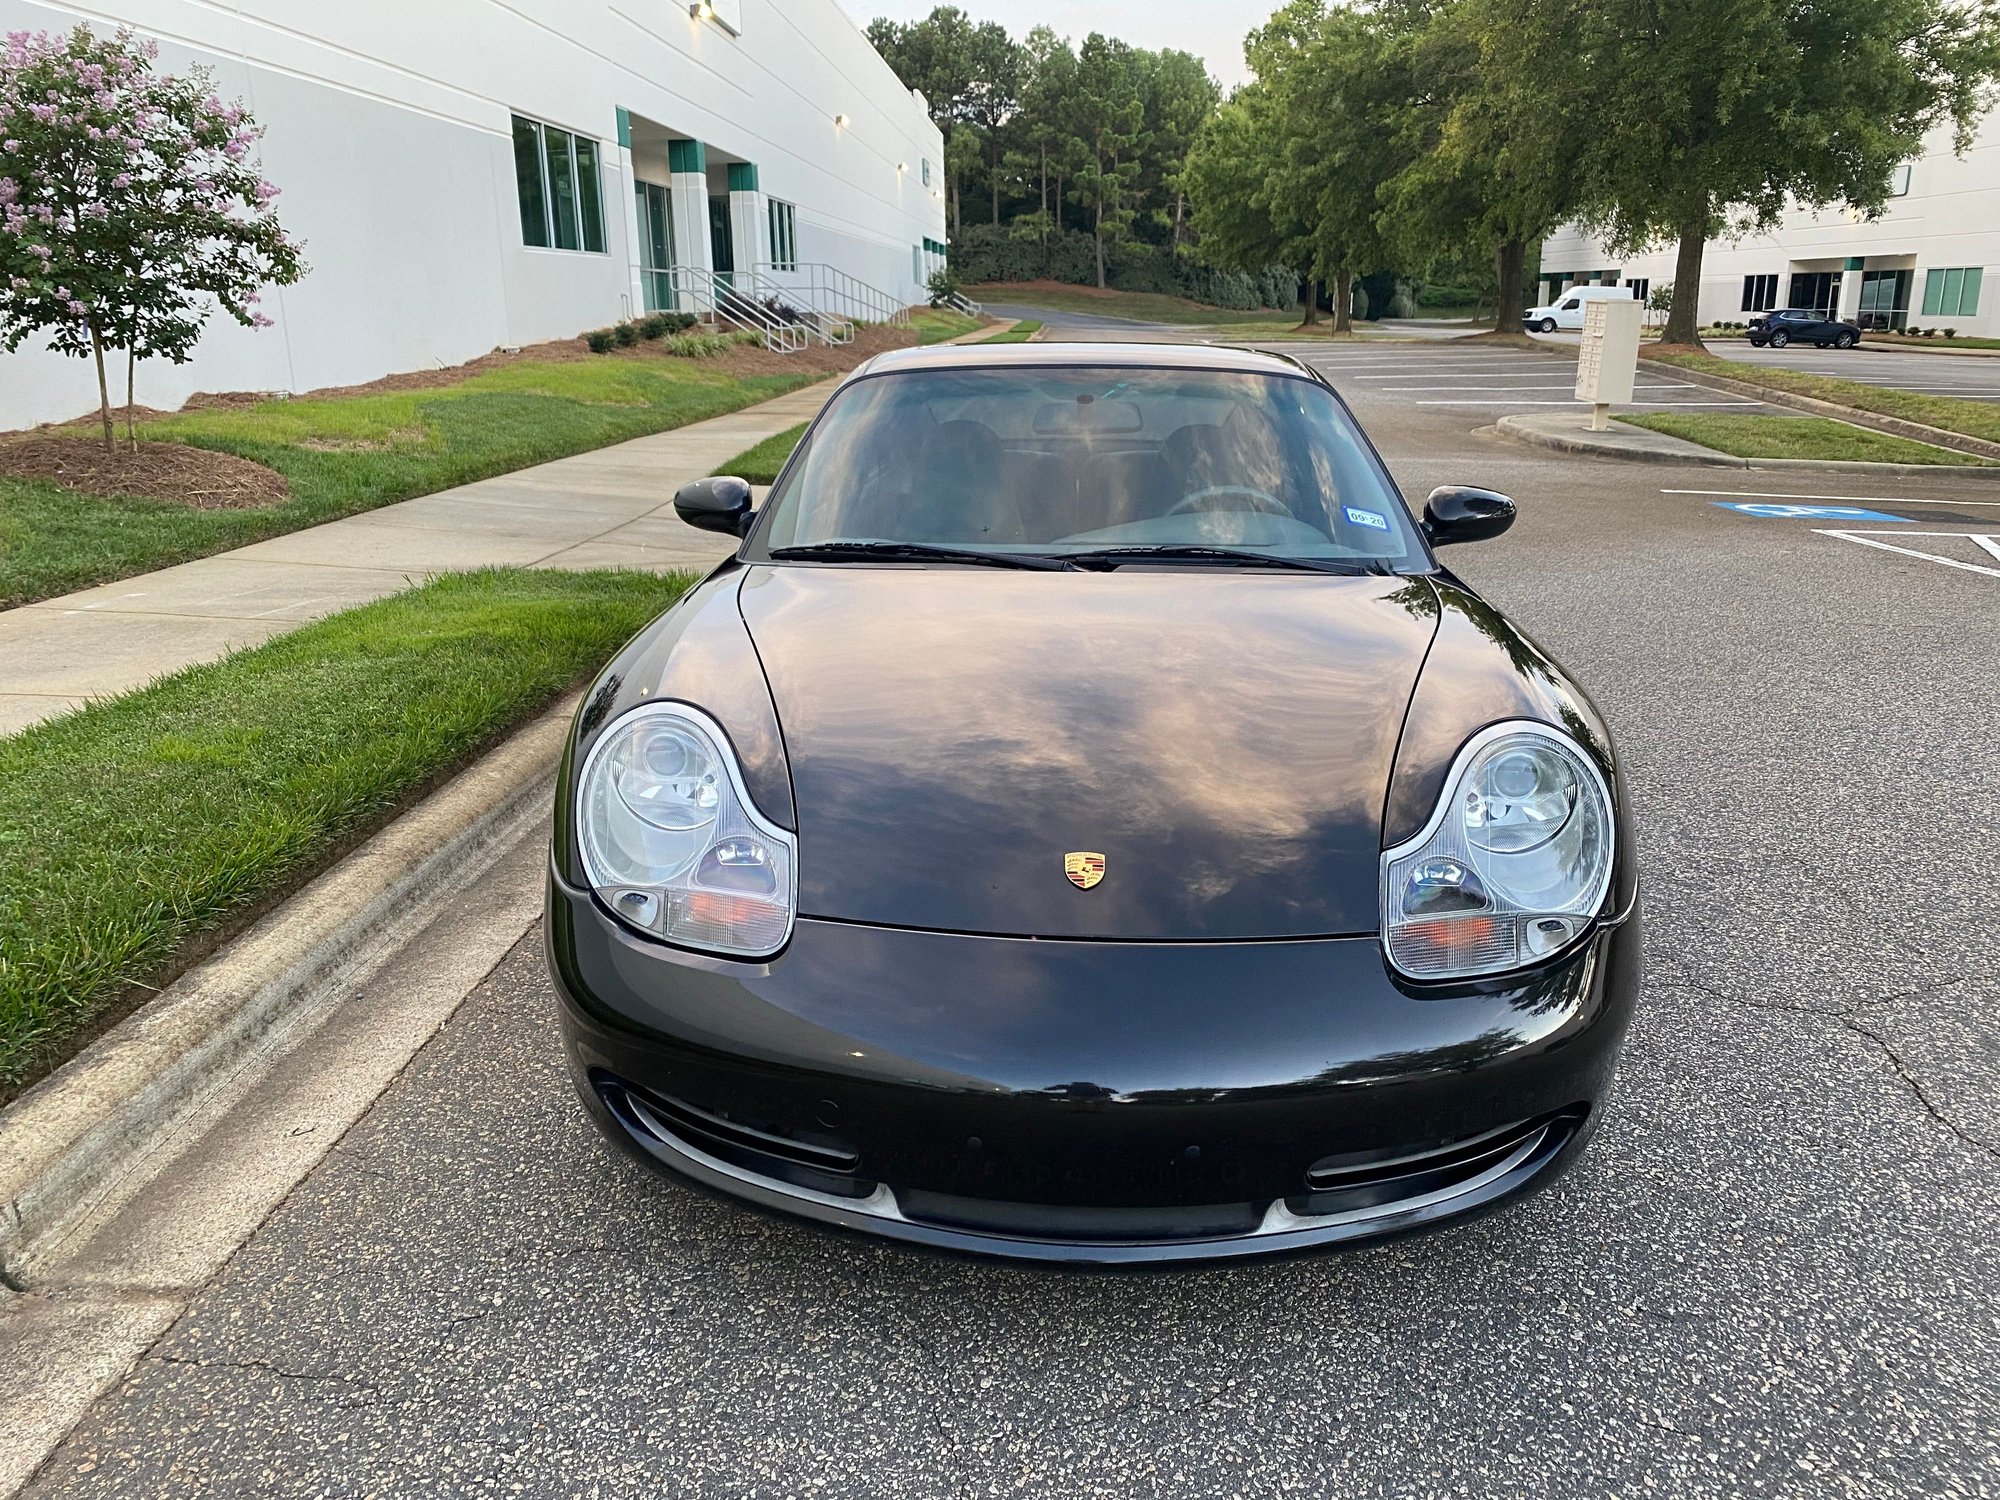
(1228, 719)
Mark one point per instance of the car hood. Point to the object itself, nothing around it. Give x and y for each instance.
(1223, 739)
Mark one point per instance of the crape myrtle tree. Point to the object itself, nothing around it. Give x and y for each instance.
(1704, 117)
(130, 205)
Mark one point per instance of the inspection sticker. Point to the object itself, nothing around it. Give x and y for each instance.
(1367, 518)
(1772, 511)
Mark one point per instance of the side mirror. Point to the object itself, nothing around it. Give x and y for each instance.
(1459, 513)
(721, 504)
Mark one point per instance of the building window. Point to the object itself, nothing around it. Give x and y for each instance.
(927, 171)
(1640, 286)
(1953, 293)
(917, 264)
(1760, 293)
(556, 174)
(1899, 182)
(1818, 291)
(784, 235)
(1885, 299)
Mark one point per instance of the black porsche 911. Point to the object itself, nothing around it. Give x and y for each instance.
(1084, 822)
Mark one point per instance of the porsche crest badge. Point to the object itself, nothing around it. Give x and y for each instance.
(1084, 869)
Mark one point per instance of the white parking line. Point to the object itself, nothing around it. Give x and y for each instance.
(1843, 499)
(1988, 542)
(1574, 402)
(1563, 385)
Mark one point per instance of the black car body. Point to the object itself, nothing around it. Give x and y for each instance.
(971, 1035)
(1801, 325)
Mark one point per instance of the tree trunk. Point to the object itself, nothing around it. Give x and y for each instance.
(131, 376)
(1510, 265)
(1180, 202)
(1045, 209)
(1097, 234)
(1683, 321)
(993, 172)
(1343, 301)
(103, 389)
(1058, 203)
(1312, 304)
(957, 223)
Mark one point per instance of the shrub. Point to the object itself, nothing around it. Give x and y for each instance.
(1951, 333)
(627, 334)
(706, 345)
(655, 326)
(943, 286)
(601, 340)
(991, 252)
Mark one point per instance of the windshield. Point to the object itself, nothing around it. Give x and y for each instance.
(1064, 461)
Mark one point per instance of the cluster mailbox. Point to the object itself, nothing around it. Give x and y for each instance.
(1609, 356)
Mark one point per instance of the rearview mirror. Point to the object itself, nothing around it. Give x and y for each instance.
(1460, 513)
(720, 504)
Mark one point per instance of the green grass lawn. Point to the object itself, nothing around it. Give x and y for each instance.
(1795, 437)
(1143, 307)
(1938, 345)
(760, 464)
(138, 824)
(1973, 418)
(1020, 333)
(936, 324)
(345, 454)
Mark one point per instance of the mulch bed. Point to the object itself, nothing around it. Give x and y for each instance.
(198, 478)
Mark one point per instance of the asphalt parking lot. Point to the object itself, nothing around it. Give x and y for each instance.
(1776, 1273)
(1484, 381)
(1972, 377)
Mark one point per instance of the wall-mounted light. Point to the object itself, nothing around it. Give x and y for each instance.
(840, 122)
(902, 167)
(702, 10)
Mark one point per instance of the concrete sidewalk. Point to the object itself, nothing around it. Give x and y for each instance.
(612, 508)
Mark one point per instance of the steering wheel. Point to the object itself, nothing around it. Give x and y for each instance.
(1270, 506)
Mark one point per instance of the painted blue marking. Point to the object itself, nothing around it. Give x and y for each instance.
(1769, 511)
(1367, 518)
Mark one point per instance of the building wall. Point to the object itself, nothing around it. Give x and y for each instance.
(388, 126)
(1949, 218)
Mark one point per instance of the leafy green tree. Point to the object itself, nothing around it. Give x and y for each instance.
(130, 206)
(1106, 118)
(1179, 98)
(1702, 117)
(1241, 209)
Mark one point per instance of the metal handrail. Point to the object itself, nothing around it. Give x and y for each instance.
(959, 302)
(699, 291)
(832, 294)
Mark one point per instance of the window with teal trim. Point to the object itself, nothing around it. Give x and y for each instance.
(784, 235)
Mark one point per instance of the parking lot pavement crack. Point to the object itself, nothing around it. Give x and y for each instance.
(264, 1367)
(1916, 1087)
(1851, 1022)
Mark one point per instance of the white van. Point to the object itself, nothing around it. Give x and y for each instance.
(1567, 311)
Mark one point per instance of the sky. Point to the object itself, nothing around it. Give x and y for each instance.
(1211, 29)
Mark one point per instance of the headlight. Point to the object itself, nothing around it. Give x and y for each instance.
(1511, 867)
(671, 841)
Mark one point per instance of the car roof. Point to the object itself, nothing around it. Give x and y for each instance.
(1134, 355)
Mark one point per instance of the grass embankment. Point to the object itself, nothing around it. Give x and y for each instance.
(343, 454)
(1020, 333)
(1795, 437)
(1928, 345)
(1140, 307)
(760, 464)
(1949, 413)
(132, 829)
(936, 324)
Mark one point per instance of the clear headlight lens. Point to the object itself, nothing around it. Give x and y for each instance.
(1513, 864)
(672, 842)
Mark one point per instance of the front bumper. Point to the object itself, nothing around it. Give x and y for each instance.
(1083, 1101)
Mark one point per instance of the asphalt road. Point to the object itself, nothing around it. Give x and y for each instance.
(1776, 1273)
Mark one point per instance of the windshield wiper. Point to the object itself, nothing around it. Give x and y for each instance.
(1111, 557)
(910, 552)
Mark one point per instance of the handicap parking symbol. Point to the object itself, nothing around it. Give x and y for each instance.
(1775, 512)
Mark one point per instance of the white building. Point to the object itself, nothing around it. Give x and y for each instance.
(473, 174)
(1930, 261)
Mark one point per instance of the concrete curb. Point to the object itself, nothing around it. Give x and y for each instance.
(1515, 428)
(66, 1144)
(1937, 437)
